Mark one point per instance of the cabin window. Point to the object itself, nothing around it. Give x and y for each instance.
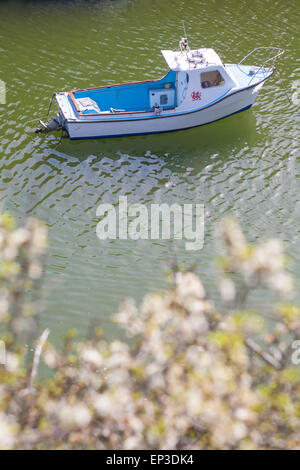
(163, 100)
(211, 79)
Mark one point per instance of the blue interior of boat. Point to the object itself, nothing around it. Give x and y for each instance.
(127, 97)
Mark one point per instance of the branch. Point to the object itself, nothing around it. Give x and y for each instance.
(268, 358)
(37, 358)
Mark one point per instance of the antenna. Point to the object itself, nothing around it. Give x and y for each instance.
(183, 43)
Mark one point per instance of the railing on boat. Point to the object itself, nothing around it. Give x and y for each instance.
(270, 58)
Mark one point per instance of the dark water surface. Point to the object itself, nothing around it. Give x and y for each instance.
(247, 165)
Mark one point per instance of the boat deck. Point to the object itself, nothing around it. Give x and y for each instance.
(242, 75)
(125, 97)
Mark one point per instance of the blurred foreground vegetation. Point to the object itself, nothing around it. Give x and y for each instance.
(193, 376)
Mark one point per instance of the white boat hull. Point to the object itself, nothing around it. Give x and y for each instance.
(167, 121)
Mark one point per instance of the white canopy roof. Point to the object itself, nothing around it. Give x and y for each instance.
(196, 59)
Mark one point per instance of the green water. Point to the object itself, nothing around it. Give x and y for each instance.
(247, 165)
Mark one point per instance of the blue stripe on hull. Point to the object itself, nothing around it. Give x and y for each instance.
(159, 132)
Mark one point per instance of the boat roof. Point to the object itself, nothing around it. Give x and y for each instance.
(192, 59)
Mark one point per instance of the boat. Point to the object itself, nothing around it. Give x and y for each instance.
(198, 89)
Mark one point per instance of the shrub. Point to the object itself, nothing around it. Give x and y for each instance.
(192, 376)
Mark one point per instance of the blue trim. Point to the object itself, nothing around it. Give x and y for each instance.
(137, 118)
(159, 132)
(218, 100)
(155, 116)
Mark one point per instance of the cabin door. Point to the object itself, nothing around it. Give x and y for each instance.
(182, 86)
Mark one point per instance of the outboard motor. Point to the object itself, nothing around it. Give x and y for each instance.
(54, 125)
